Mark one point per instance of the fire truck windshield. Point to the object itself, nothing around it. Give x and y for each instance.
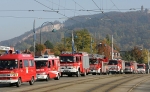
(8, 64)
(127, 64)
(67, 59)
(42, 63)
(112, 62)
(93, 61)
(140, 66)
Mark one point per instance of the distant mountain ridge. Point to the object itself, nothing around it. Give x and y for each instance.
(26, 35)
(128, 29)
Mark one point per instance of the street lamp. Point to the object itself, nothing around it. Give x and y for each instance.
(91, 45)
(34, 39)
(42, 26)
(73, 43)
(148, 62)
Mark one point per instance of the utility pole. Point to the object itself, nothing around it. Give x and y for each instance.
(148, 62)
(73, 43)
(112, 48)
(34, 39)
(91, 45)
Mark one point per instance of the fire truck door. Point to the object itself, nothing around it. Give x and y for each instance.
(26, 70)
(31, 69)
(21, 71)
(53, 74)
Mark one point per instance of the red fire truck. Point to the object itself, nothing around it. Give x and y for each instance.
(130, 67)
(74, 64)
(47, 67)
(98, 64)
(141, 68)
(116, 66)
(16, 68)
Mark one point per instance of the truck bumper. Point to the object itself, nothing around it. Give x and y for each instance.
(40, 77)
(8, 81)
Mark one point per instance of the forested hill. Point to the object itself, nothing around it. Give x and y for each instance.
(128, 29)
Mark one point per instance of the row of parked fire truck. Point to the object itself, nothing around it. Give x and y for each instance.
(16, 68)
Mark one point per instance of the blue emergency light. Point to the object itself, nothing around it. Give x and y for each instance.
(6, 52)
(17, 52)
(45, 56)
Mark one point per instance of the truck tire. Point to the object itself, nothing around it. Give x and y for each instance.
(31, 82)
(61, 75)
(77, 74)
(58, 77)
(47, 78)
(84, 74)
(18, 83)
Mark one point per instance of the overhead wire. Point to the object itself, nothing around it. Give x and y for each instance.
(64, 8)
(58, 12)
(102, 11)
(26, 10)
(117, 7)
(75, 9)
(84, 9)
(29, 17)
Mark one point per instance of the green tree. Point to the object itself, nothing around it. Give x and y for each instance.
(39, 47)
(136, 53)
(31, 48)
(48, 44)
(82, 40)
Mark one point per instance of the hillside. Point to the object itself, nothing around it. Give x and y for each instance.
(128, 29)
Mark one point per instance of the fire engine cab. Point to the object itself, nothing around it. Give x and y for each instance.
(141, 68)
(74, 63)
(16, 68)
(98, 64)
(47, 67)
(116, 66)
(130, 67)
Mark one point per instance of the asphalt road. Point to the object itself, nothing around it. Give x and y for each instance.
(90, 83)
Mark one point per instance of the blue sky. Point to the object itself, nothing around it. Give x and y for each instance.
(17, 18)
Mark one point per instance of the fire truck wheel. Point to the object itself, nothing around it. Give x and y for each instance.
(93, 73)
(47, 78)
(98, 73)
(78, 74)
(18, 84)
(84, 74)
(58, 77)
(31, 82)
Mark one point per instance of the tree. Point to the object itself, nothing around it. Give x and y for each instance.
(82, 40)
(136, 53)
(31, 48)
(48, 44)
(39, 47)
(58, 49)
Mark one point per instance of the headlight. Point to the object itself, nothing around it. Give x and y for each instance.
(14, 74)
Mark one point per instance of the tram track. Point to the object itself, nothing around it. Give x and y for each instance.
(137, 84)
(51, 87)
(80, 82)
(109, 86)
